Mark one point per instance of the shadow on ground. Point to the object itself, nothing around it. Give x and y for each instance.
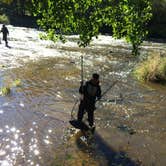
(100, 150)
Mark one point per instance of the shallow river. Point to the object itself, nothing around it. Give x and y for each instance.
(34, 128)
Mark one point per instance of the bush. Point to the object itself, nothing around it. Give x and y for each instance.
(153, 69)
(5, 91)
(4, 19)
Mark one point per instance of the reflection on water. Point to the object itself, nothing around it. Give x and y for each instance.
(14, 148)
(11, 143)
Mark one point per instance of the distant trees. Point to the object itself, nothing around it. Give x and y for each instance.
(18, 7)
(128, 18)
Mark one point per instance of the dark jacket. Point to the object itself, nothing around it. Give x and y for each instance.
(90, 91)
(5, 31)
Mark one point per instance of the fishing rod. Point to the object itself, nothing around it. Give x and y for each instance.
(71, 101)
(82, 83)
(107, 90)
(82, 75)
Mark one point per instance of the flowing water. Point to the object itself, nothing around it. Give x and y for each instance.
(130, 127)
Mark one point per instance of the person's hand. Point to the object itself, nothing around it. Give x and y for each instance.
(81, 82)
(81, 97)
(98, 98)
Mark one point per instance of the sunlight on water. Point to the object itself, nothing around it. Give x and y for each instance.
(1, 111)
(12, 146)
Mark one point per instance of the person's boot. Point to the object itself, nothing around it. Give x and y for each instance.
(6, 44)
(92, 128)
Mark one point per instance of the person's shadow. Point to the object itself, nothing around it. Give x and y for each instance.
(112, 157)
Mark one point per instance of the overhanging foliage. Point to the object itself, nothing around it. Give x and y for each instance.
(128, 18)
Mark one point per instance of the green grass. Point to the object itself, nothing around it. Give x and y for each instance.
(153, 69)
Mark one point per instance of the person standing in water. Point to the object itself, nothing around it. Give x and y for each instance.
(5, 33)
(89, 93)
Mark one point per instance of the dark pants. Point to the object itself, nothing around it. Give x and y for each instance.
(89, 108)
(5, 39)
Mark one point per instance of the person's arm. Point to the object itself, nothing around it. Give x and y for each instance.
(98, 95)
(81, 89)
(7, 31)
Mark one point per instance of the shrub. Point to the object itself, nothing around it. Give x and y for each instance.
(153, 69)
(5, 91)
(4, 19)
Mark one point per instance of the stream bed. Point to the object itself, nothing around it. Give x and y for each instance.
(34, 117)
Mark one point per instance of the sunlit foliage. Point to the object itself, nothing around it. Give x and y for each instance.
(128, 18)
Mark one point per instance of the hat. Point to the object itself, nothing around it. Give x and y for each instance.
(95, 76)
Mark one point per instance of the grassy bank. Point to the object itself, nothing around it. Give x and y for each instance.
(153, 69)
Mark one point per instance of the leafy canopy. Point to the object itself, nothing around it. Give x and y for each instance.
(128, 18)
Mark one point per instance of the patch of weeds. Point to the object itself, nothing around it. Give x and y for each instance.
(17, 83)
(5, 91)
(153, 69)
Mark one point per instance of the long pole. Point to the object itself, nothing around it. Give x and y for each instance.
(82, 83)
(82, 70)
(106, 91)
